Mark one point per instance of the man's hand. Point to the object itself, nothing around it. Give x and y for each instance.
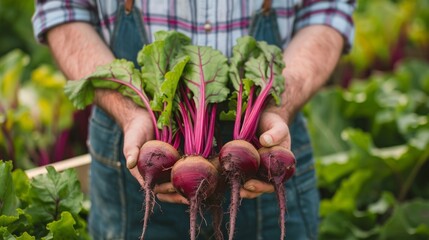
(310, 58)
(166, 193)
(274, 132)
(138, 129)
(78, 50)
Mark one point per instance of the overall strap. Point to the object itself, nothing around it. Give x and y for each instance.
(266, 6)
(263, 25)
(129, 35)
(128, 5)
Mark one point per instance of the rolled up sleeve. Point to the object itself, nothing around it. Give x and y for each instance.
(49, 14)
(336, 14)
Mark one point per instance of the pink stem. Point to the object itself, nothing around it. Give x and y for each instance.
(44, 157)
(256, 109)
(61, 145)
(255, 142)
(170, 133)
(190, 106)
(210, 135)
(181, 130)
(187, 126)
(176, 141)
(248, 110)
(145, 100)
(200, 110)
(237, 123)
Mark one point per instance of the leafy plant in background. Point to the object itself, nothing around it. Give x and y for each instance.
(35, 115)
(372, 149)
(387, 31)
(15, 24)
(46, 207)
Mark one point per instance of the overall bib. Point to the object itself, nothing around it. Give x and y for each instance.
(117, 199)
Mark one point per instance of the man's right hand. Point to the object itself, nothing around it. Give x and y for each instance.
(134, 121)
(138, 129)
(78, 50)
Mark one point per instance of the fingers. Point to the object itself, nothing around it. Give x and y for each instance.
(254, 188)
(131, 155)
(172, 198)
(134, 138)
(136, 132)
(135, 172)
(274, 131)
(165, 192)
(164, 188)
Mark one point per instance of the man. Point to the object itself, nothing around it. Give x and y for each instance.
(85, 34)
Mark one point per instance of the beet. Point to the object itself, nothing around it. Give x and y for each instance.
(277, 166)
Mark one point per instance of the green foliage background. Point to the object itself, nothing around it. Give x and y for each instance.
(35, 116)
(370, 128)
(46, 207)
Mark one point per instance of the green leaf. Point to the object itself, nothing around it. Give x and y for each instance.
(168, 91)
(206, 74)
(331, 168)
(11, 69)
(409, 221)
(360, 98)
(26, 236)
(413, 74)
(241, 52)
(358, 139)
(80, 93)
(62, 228)
(264, 67)
(120, 75)
(8, 198)
(347, 225)
(54, 193)
(383, 205)
(17, 224)
(157, 59)
(269, 63)
(421, 140)
(326, 122)
(6, 220)
(21, 183)
(410, 123)
(228, 116)
(274, 56)
(346, 196)
(5, 234)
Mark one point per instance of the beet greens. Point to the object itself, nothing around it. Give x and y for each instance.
(256, 74)
(181, 85)
(154, 88)
(204, 85)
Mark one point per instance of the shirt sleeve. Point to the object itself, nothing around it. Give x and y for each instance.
(336, 14)
(50, 13)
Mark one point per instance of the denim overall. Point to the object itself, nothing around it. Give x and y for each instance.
(117, 199)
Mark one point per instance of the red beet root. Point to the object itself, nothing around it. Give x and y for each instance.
(155, 162)
(195, 178)
(277, 166)
(239, 161)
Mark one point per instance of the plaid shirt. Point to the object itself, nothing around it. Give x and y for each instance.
(227, 19)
